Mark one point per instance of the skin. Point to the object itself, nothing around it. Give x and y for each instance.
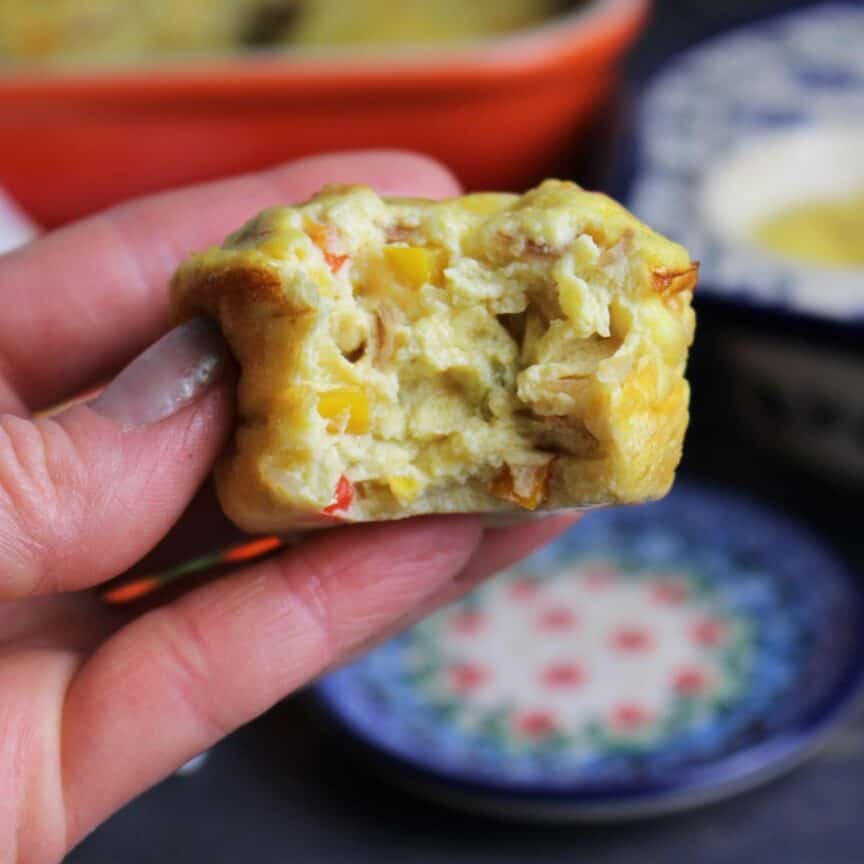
(96, 704)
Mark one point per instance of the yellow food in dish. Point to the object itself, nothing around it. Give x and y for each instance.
(488, 353)
(334, 22)
(105, 30)
(818, 232)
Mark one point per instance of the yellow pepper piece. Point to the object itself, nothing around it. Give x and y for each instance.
(525, 485)
(334, 405)
(414, 266)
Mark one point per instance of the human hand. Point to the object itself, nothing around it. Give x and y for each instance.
(97, 705)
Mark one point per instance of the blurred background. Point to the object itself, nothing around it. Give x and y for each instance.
(734, 127)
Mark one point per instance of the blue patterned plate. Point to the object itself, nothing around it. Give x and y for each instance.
(744, 125)
(653, 659)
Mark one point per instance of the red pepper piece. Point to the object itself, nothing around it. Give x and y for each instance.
(342, 497)
(319, 236)
(335, 262)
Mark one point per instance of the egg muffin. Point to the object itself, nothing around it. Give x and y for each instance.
(489, 353)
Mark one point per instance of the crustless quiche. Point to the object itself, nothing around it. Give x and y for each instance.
(484, 354)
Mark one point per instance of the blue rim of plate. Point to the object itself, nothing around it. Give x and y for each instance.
(762, 755)
(661, 187)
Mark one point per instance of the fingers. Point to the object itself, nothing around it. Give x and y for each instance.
(499, 549)
(95, 293)
(181, 677)
(502, 547)
(85, 493)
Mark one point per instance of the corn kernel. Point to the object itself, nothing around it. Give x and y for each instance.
(405, 488)
(485, 203)
(276, 247)
(414, 266)
(351, 402)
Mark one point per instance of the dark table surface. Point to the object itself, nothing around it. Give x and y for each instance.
(283, 789)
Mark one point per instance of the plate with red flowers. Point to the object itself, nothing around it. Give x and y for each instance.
(653, 659)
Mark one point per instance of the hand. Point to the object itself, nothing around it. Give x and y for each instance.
(97, 705)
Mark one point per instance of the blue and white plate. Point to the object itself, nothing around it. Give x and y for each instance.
(655, 658)
(744, 125)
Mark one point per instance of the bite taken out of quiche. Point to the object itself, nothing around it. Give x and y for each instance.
(488, 353)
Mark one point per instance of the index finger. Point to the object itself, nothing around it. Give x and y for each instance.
(185, 674)
(82, 301)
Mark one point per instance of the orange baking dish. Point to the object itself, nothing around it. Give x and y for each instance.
(499, 112)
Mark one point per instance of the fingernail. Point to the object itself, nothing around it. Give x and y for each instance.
(169, 375)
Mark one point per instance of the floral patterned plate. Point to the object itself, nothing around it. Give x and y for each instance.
(653, 659)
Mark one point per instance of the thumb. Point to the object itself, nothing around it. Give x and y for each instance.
(87, 492)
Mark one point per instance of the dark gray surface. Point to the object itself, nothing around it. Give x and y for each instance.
(283, 790)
